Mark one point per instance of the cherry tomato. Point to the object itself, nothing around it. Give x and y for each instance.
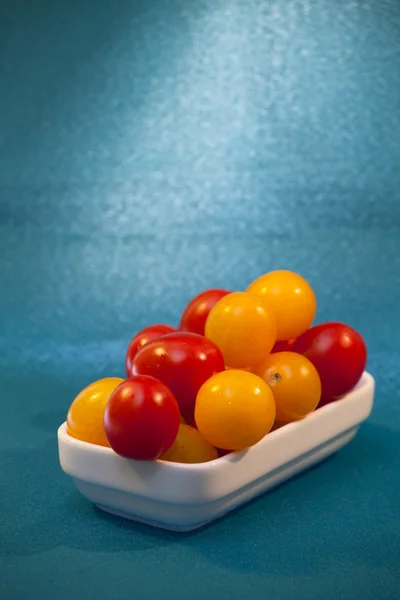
(86, 413)
(182, 361)
(242, 328)
(283, 346)
(339, 354)
(195, 314)
(143, 337)
(234, 410)
(294, 382)
(190, 447)
(141, 419)
(290, 298)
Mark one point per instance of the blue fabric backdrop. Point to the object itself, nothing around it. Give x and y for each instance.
(150, 149)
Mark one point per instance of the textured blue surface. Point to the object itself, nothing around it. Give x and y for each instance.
(150, 149)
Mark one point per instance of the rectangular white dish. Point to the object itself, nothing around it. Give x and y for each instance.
(183, 497)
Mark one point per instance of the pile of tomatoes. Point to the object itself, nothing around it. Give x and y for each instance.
(240, 365)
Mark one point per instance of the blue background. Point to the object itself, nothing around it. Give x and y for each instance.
(151, 149)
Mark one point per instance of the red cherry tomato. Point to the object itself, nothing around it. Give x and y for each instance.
(141, 419)
(195, 315)
(339, 354)
(283, 346)
(143, 337)
(183, 362)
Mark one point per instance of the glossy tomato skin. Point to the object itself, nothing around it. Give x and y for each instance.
(195, 315)
(290, 298)
(86, 413)
(235, 410)
(294, 382)
(141, 419)
(182, 361)
(339, 354)
(243, 328)
(144, 336)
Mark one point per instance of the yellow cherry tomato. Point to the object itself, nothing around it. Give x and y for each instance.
(243, 329)
(234, 410)
(190, 447)
(294, 382)
(86, 413)
(291, 299)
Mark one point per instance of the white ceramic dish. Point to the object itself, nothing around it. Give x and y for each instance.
(184, 497)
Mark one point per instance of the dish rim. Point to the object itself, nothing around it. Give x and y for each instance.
(366, 382)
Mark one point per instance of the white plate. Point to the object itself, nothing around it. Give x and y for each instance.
(183, 497)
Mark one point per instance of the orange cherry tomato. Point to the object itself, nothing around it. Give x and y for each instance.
(294, 382)
(190, 447)
(234, 410)
(243, 329)
(85, 420)
(290, 298)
